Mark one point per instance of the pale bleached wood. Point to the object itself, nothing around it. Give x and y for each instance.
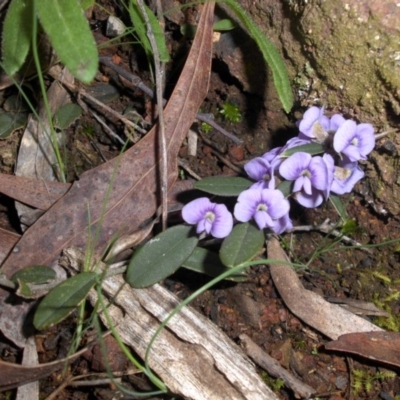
(192, 356)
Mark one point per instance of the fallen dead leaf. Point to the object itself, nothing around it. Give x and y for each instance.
(378, 346)
(131, 179)
(329, 319)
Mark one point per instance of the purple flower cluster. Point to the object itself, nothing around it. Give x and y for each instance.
(313, 178)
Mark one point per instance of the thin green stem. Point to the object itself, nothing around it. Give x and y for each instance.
(53, 135)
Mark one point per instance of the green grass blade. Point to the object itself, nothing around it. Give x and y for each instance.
(17, 35)
(270, 54)
(140, 31)
(70, 35)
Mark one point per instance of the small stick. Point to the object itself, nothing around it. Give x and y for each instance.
(139, 83)
(274, 369)
(161, 126)
(327, 228)
(116, 114)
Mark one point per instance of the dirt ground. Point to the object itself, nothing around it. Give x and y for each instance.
(253, 307)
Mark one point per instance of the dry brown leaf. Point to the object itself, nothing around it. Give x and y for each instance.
(7, 242)
(14, 375)
(329, 319)
(131, 179)
(377, 346)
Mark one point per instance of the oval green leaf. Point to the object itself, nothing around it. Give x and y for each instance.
(286, 187)
(10, 122)
(63, 299)
(160, 256)
(244, 242)
(207, 262)
(35, 274)
(312, 148)
(16, 44)
(66, 115)
(70, 35)
(223, 185)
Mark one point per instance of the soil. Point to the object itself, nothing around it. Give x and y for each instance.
(252, 307)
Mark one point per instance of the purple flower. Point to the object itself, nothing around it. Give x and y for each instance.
(209, 217)
(261, 171)
(345, 176)
(268, 207)
(310, 176)
(354, 141)
(317, 126)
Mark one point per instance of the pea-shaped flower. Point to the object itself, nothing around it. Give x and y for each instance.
(268, 208)
(317, 126)
(211, 218)
(354, 141)
(311, 178)
(261, 171)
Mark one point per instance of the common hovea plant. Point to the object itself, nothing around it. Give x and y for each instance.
(320, 163)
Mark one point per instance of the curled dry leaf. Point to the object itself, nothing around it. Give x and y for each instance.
(329, 319)
(377, 346)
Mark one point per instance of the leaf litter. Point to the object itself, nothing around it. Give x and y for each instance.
(267, 327)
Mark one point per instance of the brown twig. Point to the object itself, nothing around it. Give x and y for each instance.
(160, 109)
(274, 369)
(139, 84)
(328, 228)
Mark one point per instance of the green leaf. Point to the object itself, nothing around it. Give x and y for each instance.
(270, 54)
(70, 35)
(224, 25)
(63, 299)
(339, 207)
(312, 148)
(286, 187)
(85, 4)
(223, 186)
(244, 242)
(160, 256)
(10, 122)
(17, 35)
(35, 274)
(66, 115)
(140, 30)
(189, 31)
(24, 290)
(207, 262)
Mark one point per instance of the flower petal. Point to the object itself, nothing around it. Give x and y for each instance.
(257, 168)
(276, 203)
(195, 211)
(223, 222)
(310, 201)
(307, 185)
(335, 122)
(319, 173)
(263, 220)
(353, 153)
(366, 138)
(309, 118)
(245, 208)
(298, 184)
(344, 135)
(283, 224)
(292, 168)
